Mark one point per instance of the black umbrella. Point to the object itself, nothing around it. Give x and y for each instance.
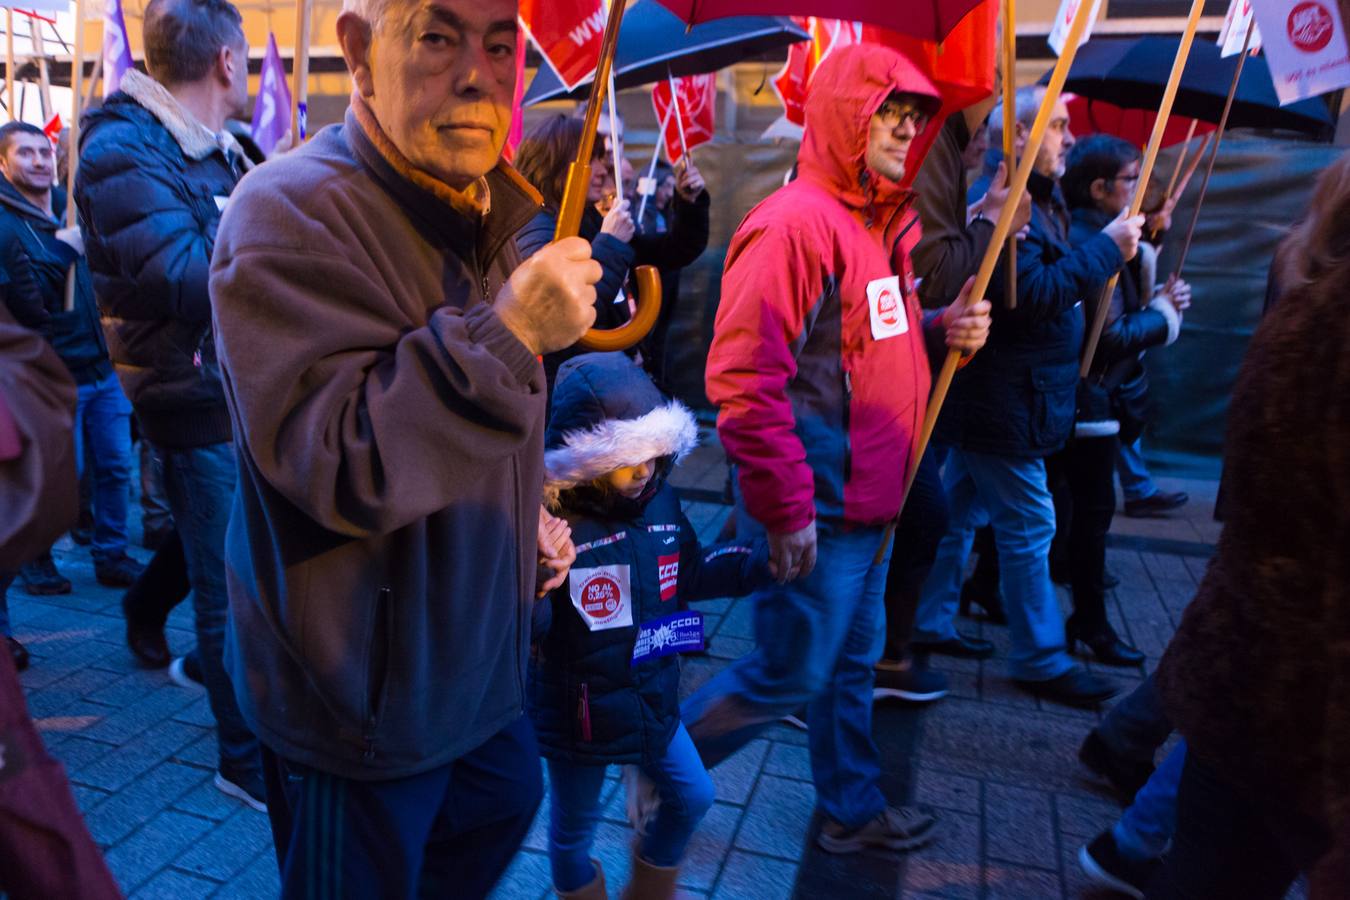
(655, 43)
(1132, 72)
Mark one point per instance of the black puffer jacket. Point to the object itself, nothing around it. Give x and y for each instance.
(638, 564)
(151, 187)
(37, 297)
(1017, 396)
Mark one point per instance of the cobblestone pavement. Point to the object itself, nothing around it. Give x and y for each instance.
(1000, 765)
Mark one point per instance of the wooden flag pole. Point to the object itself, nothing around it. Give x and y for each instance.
(1181, 164)
(300, 68)
(1146, 170)
(73, 147)
(1010, 132)
(1002, 230)
(679, 122)
(94, 78)
(9, 61)
(651, 168)
(44, 82)
(1214, 151)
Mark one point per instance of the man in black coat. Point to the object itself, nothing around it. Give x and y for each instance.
(1012, 406)
(41, 253)
(157, 169)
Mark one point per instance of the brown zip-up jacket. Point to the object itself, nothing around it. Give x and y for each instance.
(381, 549)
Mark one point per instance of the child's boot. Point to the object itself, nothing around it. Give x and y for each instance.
(650, 882)
(593, 891)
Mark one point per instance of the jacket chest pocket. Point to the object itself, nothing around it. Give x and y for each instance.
(1053, 390)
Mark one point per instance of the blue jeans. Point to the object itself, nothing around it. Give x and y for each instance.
(1135, 481)
(1009, 493)
(1136, 726)
(686, 794)
(103, 417)
(816, 642)
(200, 483)
(1147, 826)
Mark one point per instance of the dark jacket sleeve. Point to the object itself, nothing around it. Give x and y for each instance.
(1048, 284)
(683, 242)
(23, 297)
(152, 233)
(1131, 334)
(728, 569)
(950, 251)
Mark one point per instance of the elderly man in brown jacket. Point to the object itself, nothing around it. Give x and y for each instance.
(380, 349)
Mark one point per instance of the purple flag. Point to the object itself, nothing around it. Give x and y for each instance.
(116, 47)
(272, 111)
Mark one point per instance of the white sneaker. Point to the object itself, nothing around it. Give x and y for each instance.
(186, 674)
(227, 785)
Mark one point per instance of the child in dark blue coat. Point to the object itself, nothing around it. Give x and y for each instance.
(604, 677)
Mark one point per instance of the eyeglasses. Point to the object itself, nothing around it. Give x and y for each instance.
(892, 114)
(1134, 177)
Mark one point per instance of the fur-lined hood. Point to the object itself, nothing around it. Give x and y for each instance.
(607, 414)
(194, 137)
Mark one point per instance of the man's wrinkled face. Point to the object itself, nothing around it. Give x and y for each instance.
(891, 131)
(1058, 139)
(439, 76)
(29, 163)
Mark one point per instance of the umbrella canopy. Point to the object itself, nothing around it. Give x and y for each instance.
(927, 19)
(653, 43)
(1132, 73)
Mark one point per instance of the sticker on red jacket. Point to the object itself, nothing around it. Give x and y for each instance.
(602, 596)
(887, 306)
(668, 568)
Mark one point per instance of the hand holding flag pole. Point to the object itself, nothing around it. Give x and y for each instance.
(1002, 231)
(574, 204)
(1145, 172)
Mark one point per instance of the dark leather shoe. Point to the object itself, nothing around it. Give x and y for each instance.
(1155, 504)
(148, 645)
(18, 652)
(40, 577)
(1126, 775)
(117, 571)
(1106, 647)
(1076, 687)
(960, 646)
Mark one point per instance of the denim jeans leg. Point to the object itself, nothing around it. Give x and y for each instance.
(1136, 726)
(106, 420)
(800, 632)
(1135, 481)
(155, 515)
(845, 761)
(936, 617)
(686, 793)
(1147, 826)
(574, 814)
(200, 483)
(1014, 492)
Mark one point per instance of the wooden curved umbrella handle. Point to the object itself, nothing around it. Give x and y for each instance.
(644, 318)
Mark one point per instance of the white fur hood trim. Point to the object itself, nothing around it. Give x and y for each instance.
(191, 135)
(587, 454)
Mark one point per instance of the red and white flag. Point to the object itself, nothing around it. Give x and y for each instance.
(793, 81)
(568, 34)
(695, 113)
(1059, 33)
(53, 128)
(1234, 31)
(116, 47)
(1305, 46)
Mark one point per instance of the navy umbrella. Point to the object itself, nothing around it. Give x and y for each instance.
(1132, 73)
(654, 43)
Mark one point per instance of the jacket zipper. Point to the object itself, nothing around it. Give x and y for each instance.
(584, 712)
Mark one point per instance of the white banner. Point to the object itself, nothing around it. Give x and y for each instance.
(1234, 31)
(1304, 45)
(1064, 18)
(44, 6)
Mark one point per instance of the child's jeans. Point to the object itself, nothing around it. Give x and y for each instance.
(685, 790)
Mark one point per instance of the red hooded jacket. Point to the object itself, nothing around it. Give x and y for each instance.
(821, 387)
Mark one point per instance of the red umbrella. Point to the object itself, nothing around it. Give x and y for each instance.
(931, 20)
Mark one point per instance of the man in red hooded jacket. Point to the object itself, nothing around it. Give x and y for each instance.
(820, 366)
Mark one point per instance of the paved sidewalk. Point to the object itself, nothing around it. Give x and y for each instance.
(999, 764)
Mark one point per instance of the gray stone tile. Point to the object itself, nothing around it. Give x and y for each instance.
(140, 801)
(86, 798)
(1012, 883)
(537, 837)
(201, 752)
(197, 712)
(74, 717)
(788, 761)
(115, 770)
(77, 752)
(527, 878)
(734, 778)
(998, 688)
(950, 865)
(739, 622)
(729, 647)
(1018, 826)
(230, 847)
(1082, 817)
(778, 818)
(205, 799)
(258, 880)
(153, 847)
(947, 791)
(751, 877)
(141, 715)
(709, 847)
(172, 885)
(134, 687)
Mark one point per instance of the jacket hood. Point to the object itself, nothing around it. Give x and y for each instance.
(608, 414)
(192, 136)
(850, 85)
(17, 203)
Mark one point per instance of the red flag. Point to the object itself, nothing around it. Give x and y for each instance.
(568, 34)
(53, 128)
(517, 108)
(696, 107)
(794, 80)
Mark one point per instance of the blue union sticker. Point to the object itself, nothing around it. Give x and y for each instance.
(676, 633)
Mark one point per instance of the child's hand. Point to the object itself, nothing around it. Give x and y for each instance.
(556, 551)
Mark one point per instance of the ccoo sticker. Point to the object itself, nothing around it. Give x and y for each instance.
(887, 307)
